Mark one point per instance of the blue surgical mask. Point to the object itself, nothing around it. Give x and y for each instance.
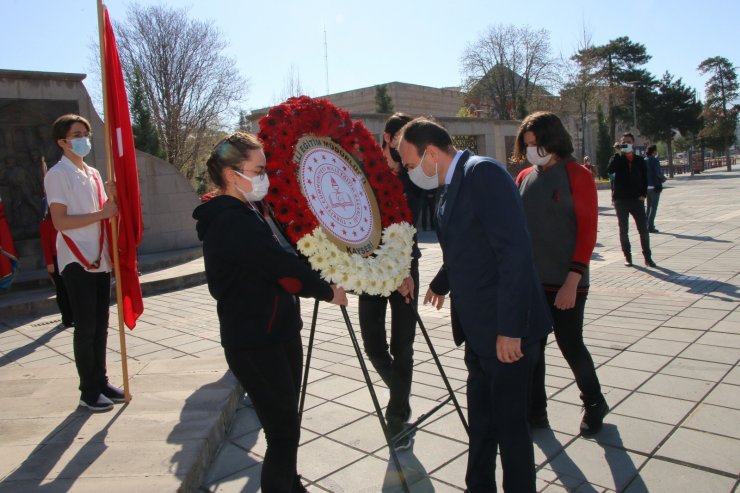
(420, 179)
(81, 146)
(260, 187)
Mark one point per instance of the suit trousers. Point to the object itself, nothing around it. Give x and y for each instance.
(498, 406)
(271, 375)
(568, 329)
(635, 208)
(89, 297)
(394, 367)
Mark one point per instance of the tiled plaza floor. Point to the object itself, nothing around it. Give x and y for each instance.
(666, 342)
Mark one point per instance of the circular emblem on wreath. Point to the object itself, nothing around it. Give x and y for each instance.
(338, 195)
(335, 197)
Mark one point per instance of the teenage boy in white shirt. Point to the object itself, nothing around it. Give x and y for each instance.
(79, 209)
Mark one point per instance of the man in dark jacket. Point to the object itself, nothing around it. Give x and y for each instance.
(655, 179)
(497, 304)
(629, 182)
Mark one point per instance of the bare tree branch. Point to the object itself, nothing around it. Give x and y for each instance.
(507, 63)
(191, 87)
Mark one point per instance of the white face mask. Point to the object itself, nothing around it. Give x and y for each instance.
(420, 179)
(626, 148)
(260, 187)
(534, 157)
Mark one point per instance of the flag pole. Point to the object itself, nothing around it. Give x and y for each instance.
(114, 219)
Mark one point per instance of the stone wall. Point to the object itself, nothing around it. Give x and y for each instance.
(29, 103)
(408, 98)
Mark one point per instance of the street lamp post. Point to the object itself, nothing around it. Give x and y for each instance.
(634, 83)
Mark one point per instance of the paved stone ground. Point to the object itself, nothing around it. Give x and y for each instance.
(666, 342)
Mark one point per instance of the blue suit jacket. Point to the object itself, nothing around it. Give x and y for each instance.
(488, 265)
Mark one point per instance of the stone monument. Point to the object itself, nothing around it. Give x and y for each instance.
(29, 104)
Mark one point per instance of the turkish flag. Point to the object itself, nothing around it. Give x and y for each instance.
(127, 178)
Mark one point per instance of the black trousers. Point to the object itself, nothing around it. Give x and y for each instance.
(271, 375)
(568, 330)
(395, 368)
(498, 405)
(65, 308)
(89, 297)
(636, 209)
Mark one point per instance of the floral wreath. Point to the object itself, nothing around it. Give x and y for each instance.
(380, 273)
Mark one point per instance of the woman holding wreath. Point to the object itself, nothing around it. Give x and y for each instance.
(256, 278)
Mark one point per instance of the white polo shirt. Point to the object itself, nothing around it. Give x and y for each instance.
(68, 185)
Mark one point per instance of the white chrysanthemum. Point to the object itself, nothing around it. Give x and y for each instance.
(381, 273)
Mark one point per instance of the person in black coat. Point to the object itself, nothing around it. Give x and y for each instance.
(394, 362)
(629, 189)
(256, 278)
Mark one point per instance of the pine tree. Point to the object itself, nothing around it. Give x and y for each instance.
(671, 106)
(604, 144)
(521, 107)
(383, 101)
(720, 111)
(615, 66)
(145, 134)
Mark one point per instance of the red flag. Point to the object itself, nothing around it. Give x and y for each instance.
(127, 178)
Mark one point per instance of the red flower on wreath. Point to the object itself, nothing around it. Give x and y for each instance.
(281, 128)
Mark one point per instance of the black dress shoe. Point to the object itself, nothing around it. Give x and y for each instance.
(649, 262)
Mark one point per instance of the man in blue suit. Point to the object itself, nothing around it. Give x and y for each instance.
(497, 305)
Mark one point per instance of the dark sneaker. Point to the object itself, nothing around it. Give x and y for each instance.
(98, 404)
(113, 393)
(593, 417)
(539, 421)
(649, 262)
(404, 443)
(628, 260)
(653, 230)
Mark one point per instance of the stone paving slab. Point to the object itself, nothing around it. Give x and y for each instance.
(664, 341)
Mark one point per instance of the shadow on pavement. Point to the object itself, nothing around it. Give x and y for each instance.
(696, 284)
(44, 458)
(32, 346)
(233, 462)
(416, 475)
(693, 238)
(559, 461)
(568, 473)
(620, 463)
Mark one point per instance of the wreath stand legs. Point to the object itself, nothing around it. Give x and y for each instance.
(390, 440)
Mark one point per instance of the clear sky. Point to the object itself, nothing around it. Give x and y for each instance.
(376, 42)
